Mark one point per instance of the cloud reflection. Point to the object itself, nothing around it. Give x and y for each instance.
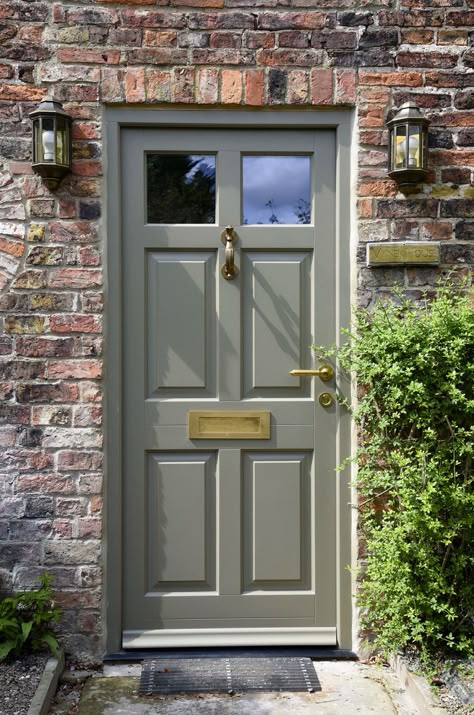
(276, 189)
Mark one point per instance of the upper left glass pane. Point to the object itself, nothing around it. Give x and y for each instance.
(181, 188)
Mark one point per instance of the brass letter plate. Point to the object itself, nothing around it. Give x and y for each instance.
(234, 424)
(403, 253)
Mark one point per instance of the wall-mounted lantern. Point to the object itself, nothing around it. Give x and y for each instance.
(52, 143)
(408, 146)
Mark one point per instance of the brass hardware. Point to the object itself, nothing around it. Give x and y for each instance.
(228, 237)
(228, 424)
(325, 373)
(326, 399)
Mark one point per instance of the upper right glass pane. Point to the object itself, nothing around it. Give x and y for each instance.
(276, 189)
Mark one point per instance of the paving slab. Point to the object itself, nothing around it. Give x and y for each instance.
(350, 688)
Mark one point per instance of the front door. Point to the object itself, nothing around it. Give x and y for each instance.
(229, 260)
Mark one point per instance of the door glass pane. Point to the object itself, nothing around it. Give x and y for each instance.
(181, 188)
(276, 189)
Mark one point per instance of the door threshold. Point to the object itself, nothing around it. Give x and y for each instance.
(316, 653)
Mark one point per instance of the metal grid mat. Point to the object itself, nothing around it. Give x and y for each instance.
(228, 675)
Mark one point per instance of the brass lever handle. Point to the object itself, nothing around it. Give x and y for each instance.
(229, 270)
(325, 372)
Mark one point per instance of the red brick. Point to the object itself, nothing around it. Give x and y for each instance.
(436, 231)
(75, 323)
(256, 40)
(183, 84)
(79, 460)
(21, 93)
(160, 38)
(231, 86)
(321, 86)
(45, 483)
(149, 18)
(88, 56)
(158, 85)
(111, 85)
(417, 37)
(452, 157)
(72, 231)
(198, 3)
(298, 87)
(207, 86)
(67, 369)
(89, 528)
(456, 176)
(74, 278)
(45, 346)
(443, 60)
(47, 392)
(135, 85)
(377, 188)
(291, 20)
(291, 57)
(378, 95)
(391, 79)
(254, 87)
(225, 39)
(371, 116)
(345, 87)
(452, 37)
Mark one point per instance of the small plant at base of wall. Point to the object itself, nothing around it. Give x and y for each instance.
(414, 365)
(26, 621)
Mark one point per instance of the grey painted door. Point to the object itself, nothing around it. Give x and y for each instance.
(230, 535)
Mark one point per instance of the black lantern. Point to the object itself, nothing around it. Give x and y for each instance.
(52, 145)
(408, 146)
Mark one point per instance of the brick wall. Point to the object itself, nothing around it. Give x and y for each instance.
(373, 56)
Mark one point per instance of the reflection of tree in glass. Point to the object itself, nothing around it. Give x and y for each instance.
(273, 217)
(302, 211)
(181, 189)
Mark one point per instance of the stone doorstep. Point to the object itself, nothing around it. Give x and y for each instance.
(417, 688)
(47, 686)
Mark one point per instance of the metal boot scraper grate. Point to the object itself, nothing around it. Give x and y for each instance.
(228, 675)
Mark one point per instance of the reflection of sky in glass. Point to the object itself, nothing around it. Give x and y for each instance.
(276, 189)
(205, 164)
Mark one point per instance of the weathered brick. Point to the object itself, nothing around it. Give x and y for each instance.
(254, 87)
(290, 57)
(75, 323)
(79, 460)
(207, 86)
(464, 231)
(321, 86)
(46, 392)
(457, 208)
(74, 278)
(231, 86)
(67, 369)
(183, 84)
(45, 346)
(290, 20)
(407, 208)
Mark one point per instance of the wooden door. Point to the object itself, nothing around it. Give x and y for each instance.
(229, 530)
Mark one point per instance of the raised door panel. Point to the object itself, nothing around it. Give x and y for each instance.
(181, 523)
(277, 521)
(181, 318)
(276, 322)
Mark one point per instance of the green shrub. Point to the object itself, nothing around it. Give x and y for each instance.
(26, 620)
(414, 367)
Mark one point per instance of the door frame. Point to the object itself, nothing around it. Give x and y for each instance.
(115, 119)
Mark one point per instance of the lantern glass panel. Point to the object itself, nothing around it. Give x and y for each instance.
(36, 140)
(61, 147)
(414, 147)
(48, 139)
(400, 148)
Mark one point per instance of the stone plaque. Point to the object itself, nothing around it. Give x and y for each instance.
(403, 253)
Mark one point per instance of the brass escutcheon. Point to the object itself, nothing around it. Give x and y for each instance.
(326, 399)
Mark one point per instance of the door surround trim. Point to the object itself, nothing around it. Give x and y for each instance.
(117, 118)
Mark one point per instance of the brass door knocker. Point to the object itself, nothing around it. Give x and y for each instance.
(228, 237)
